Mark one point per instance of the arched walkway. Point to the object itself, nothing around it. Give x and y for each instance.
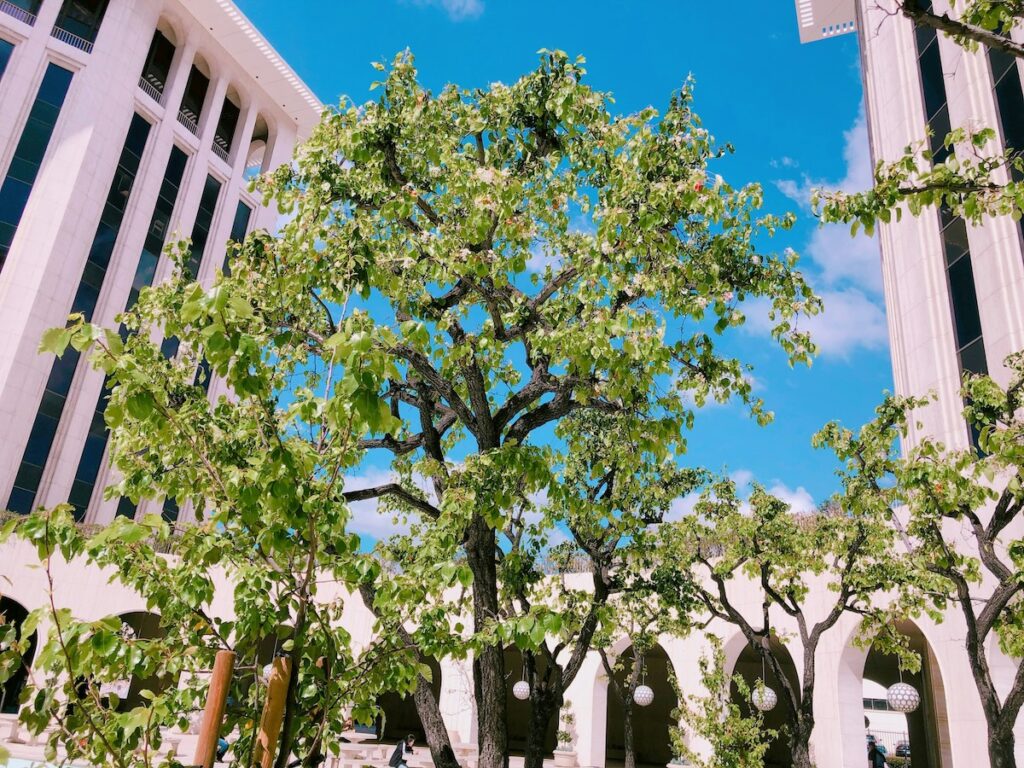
(13, 613)
(749, 666)
(399, 717)
(517, 712)
(927, 732)
(651, 738)
(142, 625)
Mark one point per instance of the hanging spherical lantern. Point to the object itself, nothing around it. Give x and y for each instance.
(763, 697)
(521, 690)
(903, 697)
(643, 695)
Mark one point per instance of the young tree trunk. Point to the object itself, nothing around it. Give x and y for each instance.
(627, 735)
(438, 740)
(489, 662)
(543, 706)
(433, 725)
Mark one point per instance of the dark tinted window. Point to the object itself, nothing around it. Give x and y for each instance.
(158, 62)
(82, 17)
(965, 302)
(6, 49)
(1009, 100)
(28, 155)
(62, 372)
(92, 454)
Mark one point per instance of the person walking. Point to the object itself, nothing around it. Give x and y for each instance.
(402, 751)
(876, 758)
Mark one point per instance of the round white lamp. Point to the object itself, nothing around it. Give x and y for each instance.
(903, 697)
(521, 690)
(763, 697)
(643, 695)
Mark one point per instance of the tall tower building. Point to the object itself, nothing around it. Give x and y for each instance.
(124, 124)
(954, 292)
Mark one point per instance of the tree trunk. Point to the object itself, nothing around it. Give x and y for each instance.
(489, 662)
(427, 708)
(433, 725)
(543, 706)
(1000, 749)
(800, 743)
(627, 735)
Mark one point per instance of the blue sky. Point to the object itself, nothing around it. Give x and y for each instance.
(793, 113)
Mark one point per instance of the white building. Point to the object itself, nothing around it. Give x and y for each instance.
(124, 123)
(142, 119)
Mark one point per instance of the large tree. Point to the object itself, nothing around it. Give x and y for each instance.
(463, 274)
(808, 569)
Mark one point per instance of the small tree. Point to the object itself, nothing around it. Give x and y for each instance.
(735, 739)
(964, 524)
(845, 549)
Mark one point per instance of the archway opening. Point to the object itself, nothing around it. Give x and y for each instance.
(398, 716)
(141, 625)
(652, 742)
(750, 667)
(921, 735)
(13, 614)
(518, 712)
(256, 156)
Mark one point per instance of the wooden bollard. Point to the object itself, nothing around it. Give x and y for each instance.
(216, 703)
(265, 749)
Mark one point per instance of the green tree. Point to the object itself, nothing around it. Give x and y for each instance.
(735, 739)
(437, 208)
(463, 273)
(838, 559)
(963, 510)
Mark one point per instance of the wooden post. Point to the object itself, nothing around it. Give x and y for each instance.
(216, 703)
(265, 748)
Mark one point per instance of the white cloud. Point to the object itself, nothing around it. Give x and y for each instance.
(843, 259)
(799, 500)
(856, 154)
(457, 10)
(851, 320)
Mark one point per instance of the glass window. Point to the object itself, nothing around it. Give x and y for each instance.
(158, 62)
(965, 302)
(954, 238)
(92, 453)
(29, 153)
(82, 18)
(62, 372)
(1009, 100)
(6, 50)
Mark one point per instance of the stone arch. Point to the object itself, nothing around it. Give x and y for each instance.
(14, 613)
(651, 724)
(927, 728)
(257, 154)
(399, 717)
(170, 28)
(517, 712)
(749, 666)
(143, 625)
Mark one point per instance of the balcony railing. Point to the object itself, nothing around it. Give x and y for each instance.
(220, 148)
(151, 88)
(19, 13)
(190, 120)
(71, 39)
